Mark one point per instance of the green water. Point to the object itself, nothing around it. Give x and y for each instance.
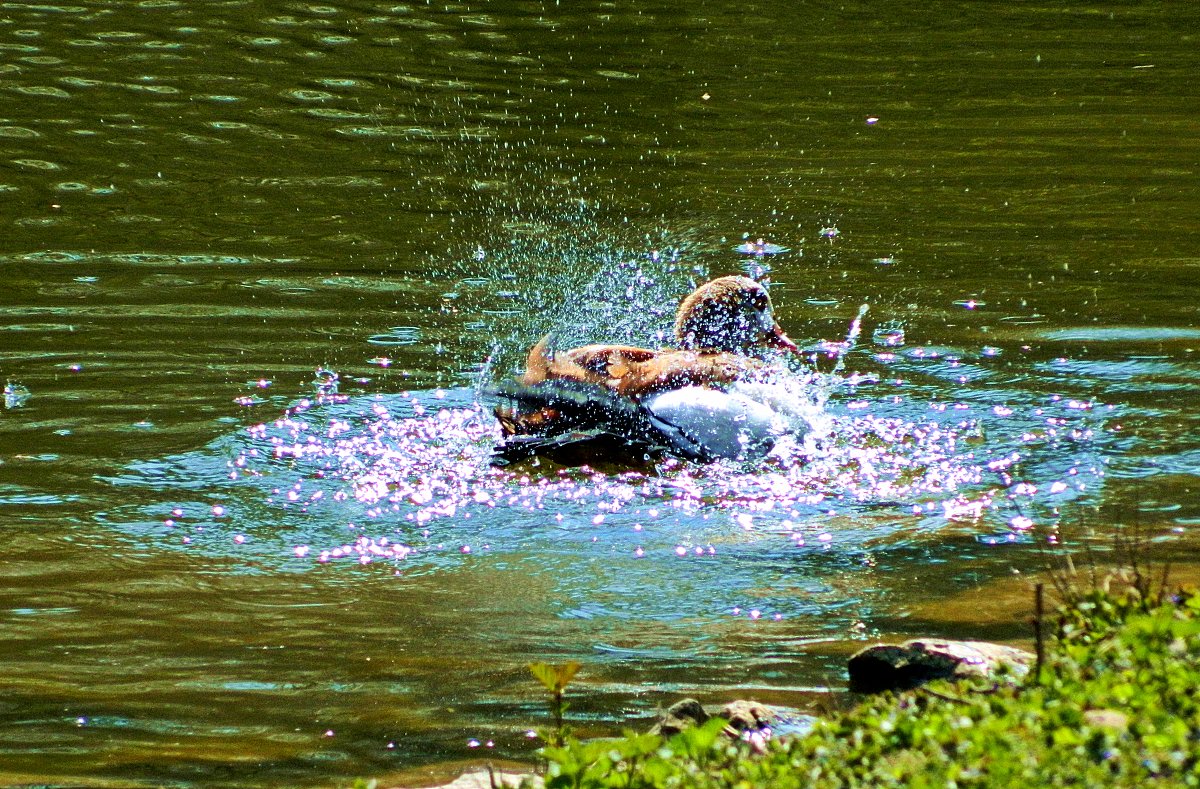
(199, 199)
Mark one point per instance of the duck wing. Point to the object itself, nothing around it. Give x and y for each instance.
(668, 370)
(589, 363)
(558, 417)
(560, 392)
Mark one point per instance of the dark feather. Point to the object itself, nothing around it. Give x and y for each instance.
(583, 416)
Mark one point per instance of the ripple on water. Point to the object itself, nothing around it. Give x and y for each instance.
(309, 95)
(18, 132)
(333, 113)
(375, 131)
(1126, 334)
(81, 82)
(42, 90)
(405, 482)
(166, 90)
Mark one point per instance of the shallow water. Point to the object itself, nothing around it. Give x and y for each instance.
(223, 567)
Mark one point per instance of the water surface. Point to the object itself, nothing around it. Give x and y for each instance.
(223, 569)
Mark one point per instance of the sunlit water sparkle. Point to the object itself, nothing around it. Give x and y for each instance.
(404, 482)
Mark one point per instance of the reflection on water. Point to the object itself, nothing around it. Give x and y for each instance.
(261, 259)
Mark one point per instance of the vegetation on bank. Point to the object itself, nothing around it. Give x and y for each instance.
(1115, 702)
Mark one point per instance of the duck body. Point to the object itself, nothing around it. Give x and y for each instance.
(691, 402)
(717, 424)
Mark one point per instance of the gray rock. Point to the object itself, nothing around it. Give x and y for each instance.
(913, 663)
(748, 720)
(679, 716)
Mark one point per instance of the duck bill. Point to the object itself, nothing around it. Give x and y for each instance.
(777, 339)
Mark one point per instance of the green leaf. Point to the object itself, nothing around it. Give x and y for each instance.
(555, 678)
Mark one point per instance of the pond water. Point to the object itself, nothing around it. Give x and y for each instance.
(262, 264)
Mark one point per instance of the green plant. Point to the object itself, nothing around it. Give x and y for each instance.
(555, 679)
(638, 760)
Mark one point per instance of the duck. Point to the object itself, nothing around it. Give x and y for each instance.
(699, 401)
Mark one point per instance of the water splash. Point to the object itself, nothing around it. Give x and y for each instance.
(407, 480)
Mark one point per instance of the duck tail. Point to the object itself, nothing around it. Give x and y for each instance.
(538, 363)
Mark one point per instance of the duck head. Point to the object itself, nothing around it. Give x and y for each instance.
(730, 314)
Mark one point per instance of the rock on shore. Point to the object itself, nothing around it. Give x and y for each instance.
(913, 663)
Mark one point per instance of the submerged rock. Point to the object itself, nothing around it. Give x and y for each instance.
(913, 663)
